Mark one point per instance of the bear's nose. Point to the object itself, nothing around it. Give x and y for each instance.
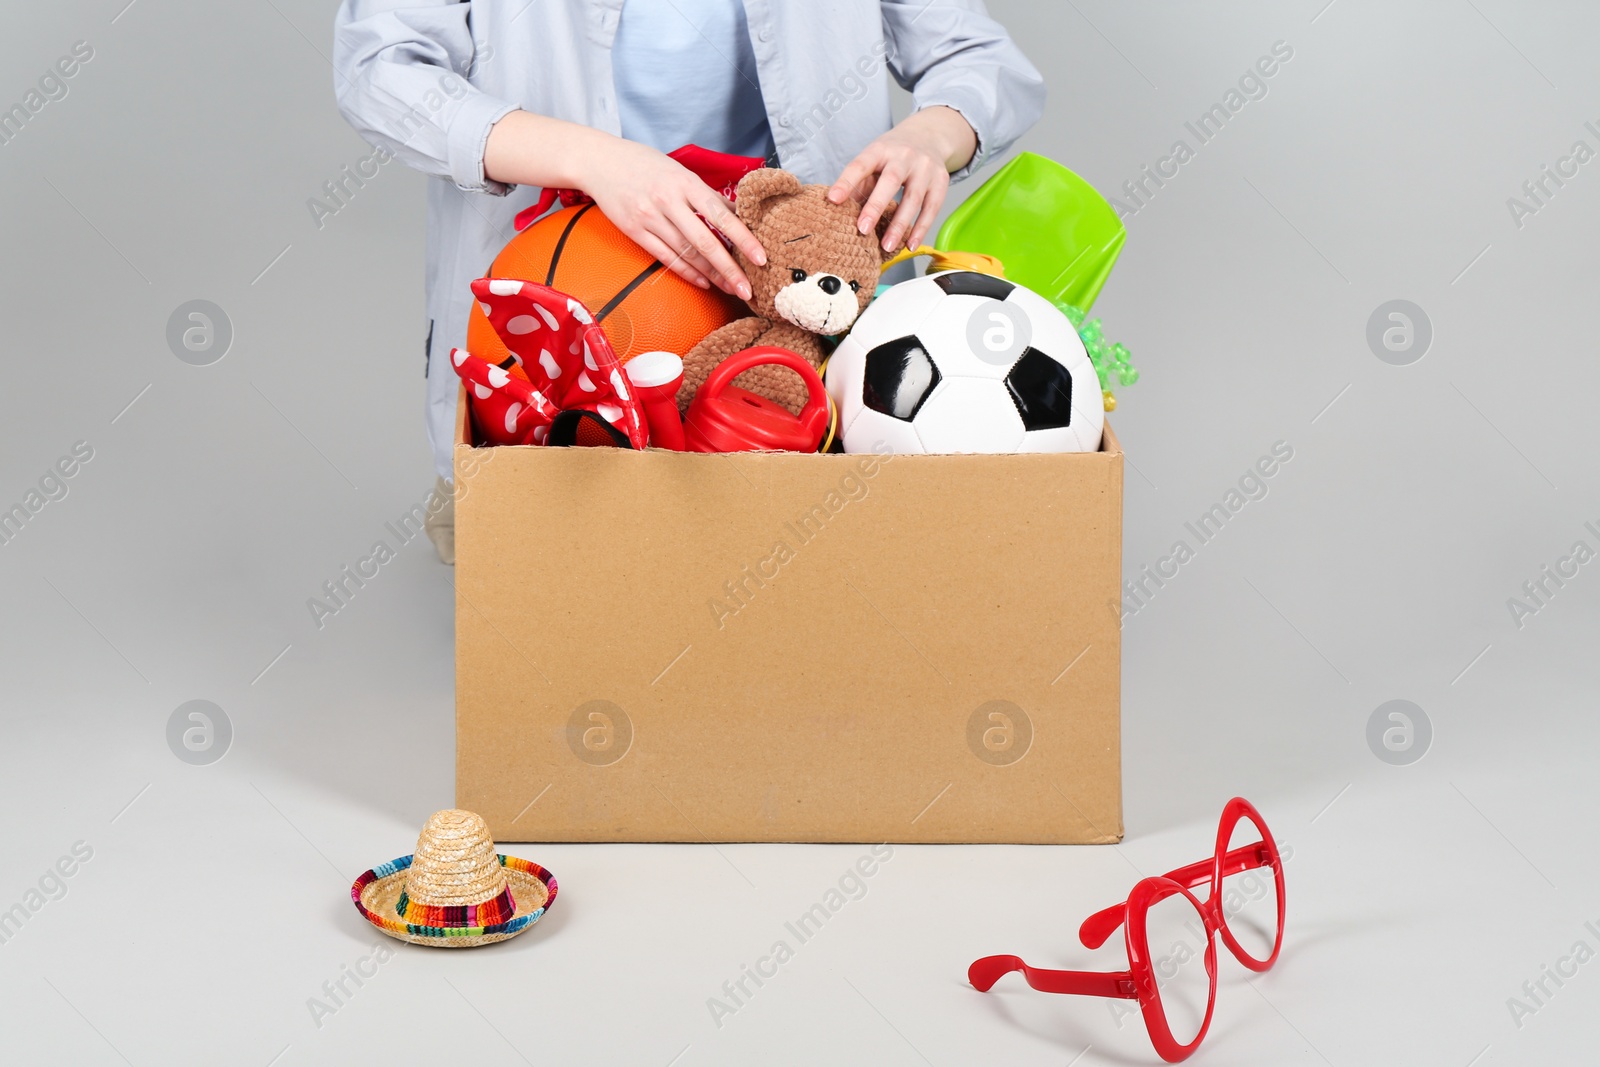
(829, 284)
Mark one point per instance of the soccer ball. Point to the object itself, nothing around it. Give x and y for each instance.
(965, 362)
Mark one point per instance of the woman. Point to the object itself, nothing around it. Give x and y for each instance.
(497, 98)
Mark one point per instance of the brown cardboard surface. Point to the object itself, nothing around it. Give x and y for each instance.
(872, 610)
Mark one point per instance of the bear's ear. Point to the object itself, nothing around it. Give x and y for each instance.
(757, 189)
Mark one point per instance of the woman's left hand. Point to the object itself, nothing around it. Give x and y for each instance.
(917, 156)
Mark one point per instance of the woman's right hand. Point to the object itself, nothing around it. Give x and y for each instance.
(650, 196)
(653, 199)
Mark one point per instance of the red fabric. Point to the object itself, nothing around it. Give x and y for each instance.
(506, 410)
(568, 359)
(717, 169)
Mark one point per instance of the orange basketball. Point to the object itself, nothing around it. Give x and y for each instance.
(643, 306)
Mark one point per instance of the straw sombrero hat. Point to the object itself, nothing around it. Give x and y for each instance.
(455, 891)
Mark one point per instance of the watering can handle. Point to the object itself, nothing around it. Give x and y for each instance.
(942, 260)
(813, 417)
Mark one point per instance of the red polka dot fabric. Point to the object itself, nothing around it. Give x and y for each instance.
(570, 364)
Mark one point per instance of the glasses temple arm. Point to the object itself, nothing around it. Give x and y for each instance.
(1116, 984)
(1097, 928)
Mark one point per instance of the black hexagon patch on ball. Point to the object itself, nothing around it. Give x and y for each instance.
(1042, 390)
(971, 283)
(899, 377)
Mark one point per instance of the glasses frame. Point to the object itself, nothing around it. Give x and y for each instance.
(1139, 982)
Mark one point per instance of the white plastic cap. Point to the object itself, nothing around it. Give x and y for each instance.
(651, 370)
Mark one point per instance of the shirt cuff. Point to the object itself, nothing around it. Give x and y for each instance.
(969, 106)
(468, 134)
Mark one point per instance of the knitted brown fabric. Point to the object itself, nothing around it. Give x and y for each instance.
(804, 234)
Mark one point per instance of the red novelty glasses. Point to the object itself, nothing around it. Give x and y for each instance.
(1169, 932)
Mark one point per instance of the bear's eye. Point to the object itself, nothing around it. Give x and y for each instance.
(855, 287)
(796, 274)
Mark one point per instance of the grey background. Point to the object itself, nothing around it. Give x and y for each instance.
(1418, 500)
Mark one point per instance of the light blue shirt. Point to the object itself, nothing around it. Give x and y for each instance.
(686, 74)
(426, 79)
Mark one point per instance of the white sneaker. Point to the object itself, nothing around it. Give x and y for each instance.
(440, 525)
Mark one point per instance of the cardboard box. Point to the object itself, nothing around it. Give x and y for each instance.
(653, 646)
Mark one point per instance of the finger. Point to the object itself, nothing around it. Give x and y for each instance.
(888, 184)
(854, 178)
(689, 238)
(687, 253)
(863, 187)
(681, 251)
(716, 211)
(691, 255)
(937, 191)
(724, 271)
(912, 204)
(676, 262)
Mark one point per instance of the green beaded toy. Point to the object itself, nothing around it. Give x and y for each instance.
(1107, 358)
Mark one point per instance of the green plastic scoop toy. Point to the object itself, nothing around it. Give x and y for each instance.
(1049, 228)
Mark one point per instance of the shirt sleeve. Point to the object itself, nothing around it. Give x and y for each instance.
(951, 52)
(399, 71)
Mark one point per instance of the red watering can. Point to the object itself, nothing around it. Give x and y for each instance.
(725, 418)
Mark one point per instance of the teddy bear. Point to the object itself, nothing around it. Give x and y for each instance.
(820, 274)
